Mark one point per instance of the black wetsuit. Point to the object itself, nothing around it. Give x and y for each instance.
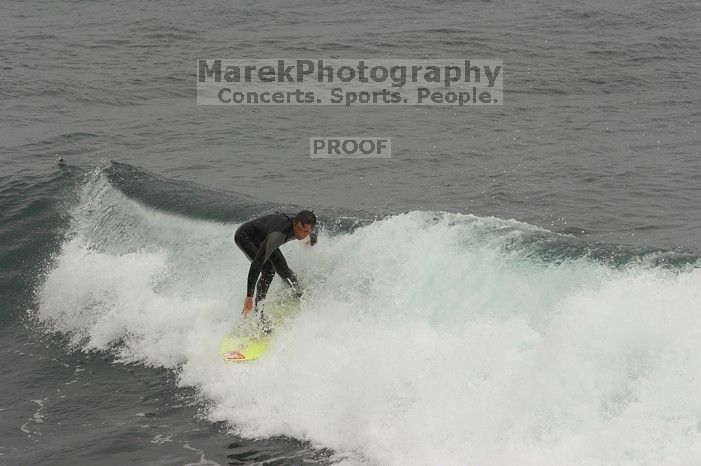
(260, 239)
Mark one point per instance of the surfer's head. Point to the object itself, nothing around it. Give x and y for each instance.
(303, 224)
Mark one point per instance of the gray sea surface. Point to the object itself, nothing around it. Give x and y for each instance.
(598, 134)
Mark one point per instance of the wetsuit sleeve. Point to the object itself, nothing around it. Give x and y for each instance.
(282, 268)
(269, 245)
(285, 272)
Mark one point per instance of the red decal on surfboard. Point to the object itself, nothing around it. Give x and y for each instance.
(235, 355)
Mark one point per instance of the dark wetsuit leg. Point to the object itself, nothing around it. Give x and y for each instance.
(266, 277)
(276, 263)
(249, 248)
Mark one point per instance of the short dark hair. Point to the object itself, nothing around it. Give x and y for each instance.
(306, 217)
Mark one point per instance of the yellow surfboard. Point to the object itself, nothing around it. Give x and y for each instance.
(247, 342)
(240, 349)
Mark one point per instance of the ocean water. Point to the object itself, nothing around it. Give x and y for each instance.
(516, 285)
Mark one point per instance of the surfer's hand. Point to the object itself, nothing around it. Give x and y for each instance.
(247, 306)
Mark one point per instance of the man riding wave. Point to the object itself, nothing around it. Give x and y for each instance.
(260, 240)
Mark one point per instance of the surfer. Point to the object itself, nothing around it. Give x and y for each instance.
(260, 240)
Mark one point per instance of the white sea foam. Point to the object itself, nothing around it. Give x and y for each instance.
(422, 338)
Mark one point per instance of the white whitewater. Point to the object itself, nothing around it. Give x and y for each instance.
(424, 338)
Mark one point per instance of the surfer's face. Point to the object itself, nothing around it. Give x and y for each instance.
(301, 230)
